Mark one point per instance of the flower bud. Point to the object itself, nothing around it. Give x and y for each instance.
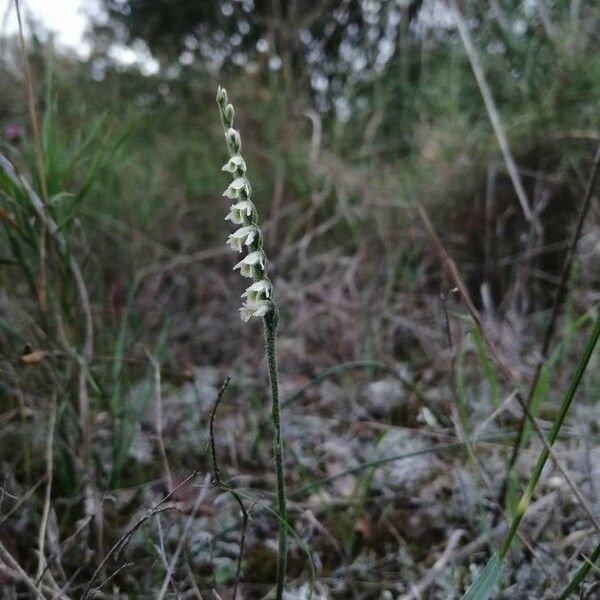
(234, 142)
(221, 96)
(228, 114)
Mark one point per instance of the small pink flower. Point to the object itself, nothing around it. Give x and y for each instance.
(12, 132)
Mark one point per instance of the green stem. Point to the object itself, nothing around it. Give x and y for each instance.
(552, 435)
(583, 570)
(270, 335)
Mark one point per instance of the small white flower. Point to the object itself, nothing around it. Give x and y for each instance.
(240, 213)
(255, 309)
(259, 290)
(236, 164)
(238, 188)
(247, 264)
(242, 237)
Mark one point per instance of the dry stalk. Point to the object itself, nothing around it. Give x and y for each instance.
(158, 423)
(493, 113)
(49, 475)
(219, 481)
(505, 371)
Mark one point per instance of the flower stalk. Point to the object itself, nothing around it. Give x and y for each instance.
(258, 299)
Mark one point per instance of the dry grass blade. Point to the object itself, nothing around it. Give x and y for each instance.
(452, 270)
(124, 539)
(49, 475)
(492, 112)
(556, 304)
(224, 486)
(182, 538)
(85, 358)
(39, 156)
(158, 423)
(17, 571)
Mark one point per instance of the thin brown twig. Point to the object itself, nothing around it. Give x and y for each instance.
(219, 481)
(504, 370)
(62, 593)
(556, 304)
(462, 434)
(471, 548)
(39, 157)
(158, 425)
(64, 546)
(49, 476)
(15, 567)
(182, 260)
(171, 565)
(460, 431)
(124, 539)
(113, 575)
(37, 140)
(440, 564)
(195, 589)
(492, 111)
(22, 499)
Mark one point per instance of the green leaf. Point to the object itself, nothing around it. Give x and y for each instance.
(485, 583)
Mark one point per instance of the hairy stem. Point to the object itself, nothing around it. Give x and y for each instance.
(270, 336)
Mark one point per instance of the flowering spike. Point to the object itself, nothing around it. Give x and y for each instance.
(259, 303)
(247, 238)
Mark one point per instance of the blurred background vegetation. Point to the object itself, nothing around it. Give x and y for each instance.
(350, 112)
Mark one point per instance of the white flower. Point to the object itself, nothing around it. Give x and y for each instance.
(240, 213)
(242, 237)
(247, 264)
(255, 309)
(236, 164)
(238, 188)
(258, 291)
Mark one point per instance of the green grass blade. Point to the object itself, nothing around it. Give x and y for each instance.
(488, 369)
(486, 581)
(581, 573)
(552, 436)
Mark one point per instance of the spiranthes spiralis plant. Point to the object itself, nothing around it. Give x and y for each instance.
(258, 298)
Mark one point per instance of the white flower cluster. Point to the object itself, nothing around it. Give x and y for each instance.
(248, 238)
